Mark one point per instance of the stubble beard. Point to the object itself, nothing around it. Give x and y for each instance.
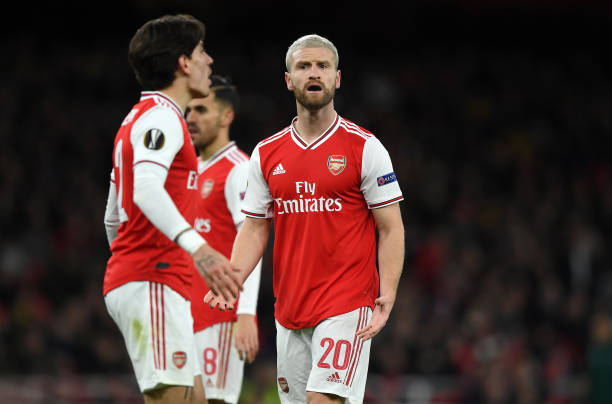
(201, 142)
(311, 104)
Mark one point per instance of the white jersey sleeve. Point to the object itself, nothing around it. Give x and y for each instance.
(235, 188)
(157, 136)
(247, 304)
(111, 214)
(378, 180)
(258, 199)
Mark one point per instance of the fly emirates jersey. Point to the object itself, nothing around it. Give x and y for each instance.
(320, 196)
(221, 184)
(153, 132)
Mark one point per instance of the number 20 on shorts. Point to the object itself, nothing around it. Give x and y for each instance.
(342, 348)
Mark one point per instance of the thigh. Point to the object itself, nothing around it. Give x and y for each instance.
(219, 362)
(177, 394)
(340, 359)
(156, 324)
(293, 362)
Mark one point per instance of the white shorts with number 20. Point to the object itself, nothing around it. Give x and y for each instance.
(326, 358)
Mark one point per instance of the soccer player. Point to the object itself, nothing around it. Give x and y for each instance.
(224, 339)
(329, 185)
(150, 208)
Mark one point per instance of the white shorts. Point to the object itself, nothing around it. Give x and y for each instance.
(326, 358)
(219, 362)
(157, 327)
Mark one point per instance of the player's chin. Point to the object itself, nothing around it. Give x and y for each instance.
(201, 92)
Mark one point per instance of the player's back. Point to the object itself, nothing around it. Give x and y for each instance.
(140, 251)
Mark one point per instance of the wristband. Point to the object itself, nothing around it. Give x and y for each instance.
(190, 240)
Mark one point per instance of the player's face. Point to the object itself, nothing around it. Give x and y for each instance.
(199, 79)
(313, 77)
(203, 117)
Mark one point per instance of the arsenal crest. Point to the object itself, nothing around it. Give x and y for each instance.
(207, 187)
(179, 358)
(282, 382)
(336, 164)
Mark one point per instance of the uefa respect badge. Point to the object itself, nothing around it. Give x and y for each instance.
(386, 179)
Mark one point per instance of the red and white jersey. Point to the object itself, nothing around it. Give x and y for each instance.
(320, 196)
(222, 183)
(153, 132)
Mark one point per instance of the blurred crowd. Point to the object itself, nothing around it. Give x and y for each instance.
(503, 159)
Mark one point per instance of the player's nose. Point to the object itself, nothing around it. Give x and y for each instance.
(314, 72)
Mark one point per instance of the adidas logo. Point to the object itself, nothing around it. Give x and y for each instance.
(335, 377)
(278, 170)
(209, 383)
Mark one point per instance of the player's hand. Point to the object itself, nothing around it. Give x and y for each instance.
(382, 309)
(247, 339)
(217, 272)
(218, 302)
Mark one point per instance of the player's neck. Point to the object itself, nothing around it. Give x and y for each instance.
(220, 142)
(311, 124)
(181, 98)
(179, 91)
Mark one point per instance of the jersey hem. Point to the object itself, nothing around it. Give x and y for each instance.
(324, 316)
(201, 327)
(386, 203)
(171, 285)
(252, 214)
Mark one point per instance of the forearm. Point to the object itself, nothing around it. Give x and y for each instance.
(390, 247)
(390, 258)
(249, 245)
(247, 304)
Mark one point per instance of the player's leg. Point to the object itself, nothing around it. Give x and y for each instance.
(178, 394)
(221, 367)
(313, 397)
(339, 359)
(293, 362)
(156, 324)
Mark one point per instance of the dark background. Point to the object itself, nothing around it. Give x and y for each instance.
(496, 114)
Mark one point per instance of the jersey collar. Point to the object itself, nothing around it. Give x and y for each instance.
(327, 133)
(219, 154)
(158, 94)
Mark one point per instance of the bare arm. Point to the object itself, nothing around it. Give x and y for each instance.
(390, 262)
(249, 246)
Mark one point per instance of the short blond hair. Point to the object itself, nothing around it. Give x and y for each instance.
(311, 41)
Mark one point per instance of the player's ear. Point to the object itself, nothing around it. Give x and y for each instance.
(183, 64)
(227, 116)
(338, 79)
(288, 81)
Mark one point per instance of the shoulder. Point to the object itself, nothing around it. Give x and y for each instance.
(275, 137)
(236, 157)
(354, 131)
(239, 152)
(158, 115)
